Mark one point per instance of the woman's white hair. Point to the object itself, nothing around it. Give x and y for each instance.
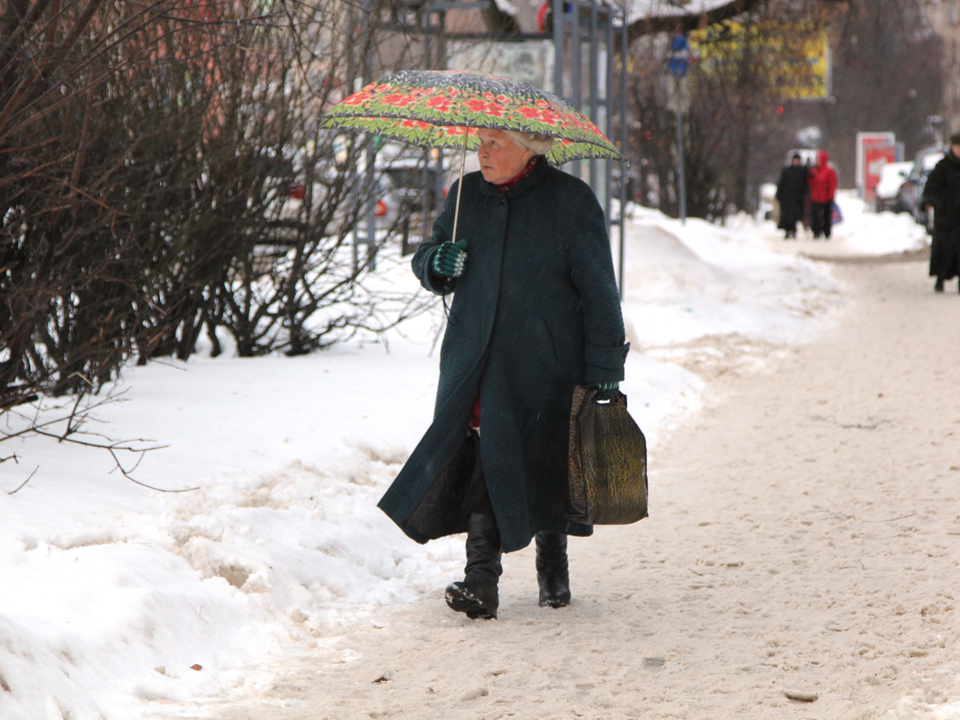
(539, 144)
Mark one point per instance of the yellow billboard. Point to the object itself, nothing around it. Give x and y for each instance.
(793, 58)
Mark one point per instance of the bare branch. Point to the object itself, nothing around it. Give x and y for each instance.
(24, 483)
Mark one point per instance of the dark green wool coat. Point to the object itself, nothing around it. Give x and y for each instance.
(942, 190)
(535, 312)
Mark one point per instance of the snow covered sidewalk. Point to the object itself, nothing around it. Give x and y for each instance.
(801, 544)
(118, 602)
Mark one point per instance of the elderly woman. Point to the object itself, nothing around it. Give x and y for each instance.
(535, 312)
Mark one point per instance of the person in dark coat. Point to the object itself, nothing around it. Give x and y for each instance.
(823, 188)
(792, 190)
(535, 312)
(942, 193)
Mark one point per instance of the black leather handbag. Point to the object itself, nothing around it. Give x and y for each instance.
(607, 478)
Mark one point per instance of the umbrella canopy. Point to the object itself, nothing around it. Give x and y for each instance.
(435, 108)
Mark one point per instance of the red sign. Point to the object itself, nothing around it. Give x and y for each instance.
(874, 150)
(875, 157)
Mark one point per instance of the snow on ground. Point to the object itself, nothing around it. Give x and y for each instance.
(694, 279)
(876, 233)
(115, 597)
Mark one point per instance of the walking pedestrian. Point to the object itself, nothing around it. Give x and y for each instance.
(792, 190)
(535, 312)
(942, 193)
(823, 189)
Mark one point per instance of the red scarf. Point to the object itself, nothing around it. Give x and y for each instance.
(523, 174)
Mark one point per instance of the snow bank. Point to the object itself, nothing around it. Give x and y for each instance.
(690, 280)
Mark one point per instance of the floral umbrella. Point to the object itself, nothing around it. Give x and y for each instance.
(436, 108)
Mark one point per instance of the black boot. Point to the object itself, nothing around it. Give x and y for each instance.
(477, 595)
(938, 286)
(552, 570)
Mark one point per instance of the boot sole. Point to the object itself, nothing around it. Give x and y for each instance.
(555, 602)
(462, 600)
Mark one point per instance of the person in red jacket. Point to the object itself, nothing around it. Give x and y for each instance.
(823, 188)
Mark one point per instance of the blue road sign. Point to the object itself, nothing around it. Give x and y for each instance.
(679, 61)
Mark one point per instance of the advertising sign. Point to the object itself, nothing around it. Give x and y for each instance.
(795, 59)
(874, 150)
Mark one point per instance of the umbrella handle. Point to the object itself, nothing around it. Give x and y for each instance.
(463, 161)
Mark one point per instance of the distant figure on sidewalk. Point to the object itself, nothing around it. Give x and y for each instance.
(942, 193)
(792, 190)
(823, 188)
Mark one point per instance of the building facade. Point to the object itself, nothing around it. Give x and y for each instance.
(944, 19)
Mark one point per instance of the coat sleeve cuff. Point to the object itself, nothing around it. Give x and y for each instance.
(605, 364)
(430, 280)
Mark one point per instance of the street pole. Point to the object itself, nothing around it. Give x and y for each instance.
(679, 64)
(681, 175)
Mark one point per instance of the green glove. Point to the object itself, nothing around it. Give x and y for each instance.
(607, 390)
(450, 259)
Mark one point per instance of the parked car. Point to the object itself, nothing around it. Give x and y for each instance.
(892, 176)
(767, 202)
(409, 180)
(417, 180)
(912, 188)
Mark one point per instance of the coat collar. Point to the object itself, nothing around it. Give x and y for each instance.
(521, 187)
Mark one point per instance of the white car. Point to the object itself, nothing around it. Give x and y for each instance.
(892, 176)
(911, 191)
(767, 197)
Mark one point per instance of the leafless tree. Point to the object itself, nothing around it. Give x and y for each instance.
(163, 171)
(734, 88)
(740, 122)
(150, 159)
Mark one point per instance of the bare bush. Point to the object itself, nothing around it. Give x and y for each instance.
(162, 170)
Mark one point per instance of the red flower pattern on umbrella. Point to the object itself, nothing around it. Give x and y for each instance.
(439, 103)
(477, 105)
(358, 98)
(398, 99)
(548, 117)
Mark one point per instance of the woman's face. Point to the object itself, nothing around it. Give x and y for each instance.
(501, 159)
